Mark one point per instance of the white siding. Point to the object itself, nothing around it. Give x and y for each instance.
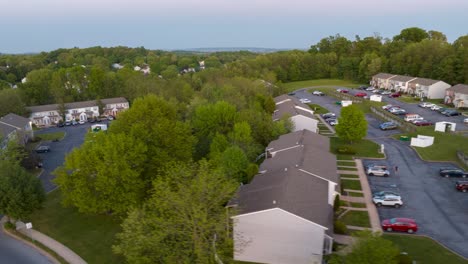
(302, 122)
(278, 237)
(437, 90)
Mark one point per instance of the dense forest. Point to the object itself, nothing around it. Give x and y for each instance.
(196, 125)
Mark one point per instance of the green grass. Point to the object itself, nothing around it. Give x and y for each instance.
(424, 250)
(318, 109)
(355, 194)
(444, 147)
(347, 169)
(358, 205)
(351, 184)
(320, 82)
(346, 163)
(364, 148)
(349, 175)
(344, 157)
(51, 136)
(356, 218)
(90, 236)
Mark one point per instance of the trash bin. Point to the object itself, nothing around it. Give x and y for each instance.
(338, 102)
(404, 138)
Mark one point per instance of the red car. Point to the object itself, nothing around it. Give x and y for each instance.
(393, 95)
(400, 224)
(422, 123)
(360, 94)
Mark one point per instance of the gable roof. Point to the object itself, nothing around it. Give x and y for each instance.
(459, 88)
(83, 104)
(292, 190)
(15, 121)
(402, 78)
(383, 75)
(5, 130)
(291, 108)
(282, 98)
(424, 81)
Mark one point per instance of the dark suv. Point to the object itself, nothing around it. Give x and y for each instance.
(452, 172)
(462, 186)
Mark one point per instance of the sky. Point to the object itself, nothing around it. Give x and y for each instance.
(45, 25)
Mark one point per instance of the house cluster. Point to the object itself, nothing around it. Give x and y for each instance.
(298, 113)
(285, 214)
(47, 115)
(422, 87)
(14, 127)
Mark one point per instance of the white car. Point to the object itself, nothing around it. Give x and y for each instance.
(465, 120)
(333, 122)
(304, 101)
(81, 122)
(426, 105)
(319, 93)
(378, 171)
(386, 93)
(388, 200)
(370, 88)
(436, 107)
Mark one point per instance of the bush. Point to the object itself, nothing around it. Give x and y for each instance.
(346, 149)
(340, 227)
(9, 226)
(336, 203)
(404, 259)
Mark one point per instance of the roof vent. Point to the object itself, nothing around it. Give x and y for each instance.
(274, 201)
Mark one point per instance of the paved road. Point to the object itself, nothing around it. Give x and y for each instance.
(74, 138)
(15, 252)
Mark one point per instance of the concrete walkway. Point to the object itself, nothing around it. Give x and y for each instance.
(373, 215)
(61, 250)
(353, 199)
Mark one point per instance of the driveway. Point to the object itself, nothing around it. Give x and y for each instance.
(74, 137)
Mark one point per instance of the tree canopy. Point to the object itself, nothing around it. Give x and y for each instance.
(352, 124)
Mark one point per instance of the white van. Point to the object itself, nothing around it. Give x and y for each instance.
(412, 117)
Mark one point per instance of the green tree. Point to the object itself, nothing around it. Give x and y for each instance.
(104, 174)
(413, 34)
(352, 124)
(178, 224)
(11, 102)
(20, 192)
(234, 162)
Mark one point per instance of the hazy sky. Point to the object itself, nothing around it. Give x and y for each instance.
(44, 25)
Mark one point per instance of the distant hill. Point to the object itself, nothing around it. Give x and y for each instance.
(231, 49)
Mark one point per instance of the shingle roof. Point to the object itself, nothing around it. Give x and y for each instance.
(424, 81)
(293, 190)
(17, 121)
(5, 130)
(301, 137)
(383, 75)
(459, 88)
(83, 104)
(402, 78)
(282, 98)
(291, 108)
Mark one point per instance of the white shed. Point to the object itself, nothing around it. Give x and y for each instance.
(445, 126)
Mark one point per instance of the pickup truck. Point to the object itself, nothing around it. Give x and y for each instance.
(452, 172)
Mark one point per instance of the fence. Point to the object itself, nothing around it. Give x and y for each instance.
(462, 157)
(405, 126)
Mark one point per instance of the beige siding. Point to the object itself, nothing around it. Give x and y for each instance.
(437, 90)
(278, 237)
(302, 122)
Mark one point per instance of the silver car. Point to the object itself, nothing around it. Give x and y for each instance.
(377, 171)
(394, 201)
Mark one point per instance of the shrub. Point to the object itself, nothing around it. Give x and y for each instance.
(336, 203)
(340, 227)
(346, 149)
(10, 226)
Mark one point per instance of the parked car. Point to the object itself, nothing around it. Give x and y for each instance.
(327, 115)
(426, 105)
(42, 149)
(422, 123)
(333, 122)
(74, 123)
(68, 123)
(360, 95)
(385, 193)
(411, 117)
(342, 90)
(399, 112)
(394, 201)
(378, 172)
(394, 109)
(388, 126)
(110, 118)
(363, 87)
(451, 113)
(319, 93)
(370, 88)
(386, 93)
(60, 124)
(291, 93)
(377, 91)
(400, 224)
(304, 101)
(395, 95)
(81, 122)
(385, 107)
(373, 165)
(452, 172)
(465, 120)
(462, 186)
(436, 107)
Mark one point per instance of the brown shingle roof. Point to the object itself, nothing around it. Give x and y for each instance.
(383, 75)
(83, 104)
(402, 78)
(424, 81)
(289, 108)
(459, 88)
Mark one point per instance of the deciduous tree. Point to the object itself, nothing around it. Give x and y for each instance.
(352, 124)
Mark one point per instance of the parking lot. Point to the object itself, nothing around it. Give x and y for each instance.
(439, 209)
(74, 137)
(426, 113)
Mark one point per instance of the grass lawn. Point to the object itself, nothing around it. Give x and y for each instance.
(344, 157)
(90, 236)
(356, 218)
(424, 250)
(364, 148)
(318, 109)
(320, 82)
(358, 205)
(349, 176)
(351, 184)
(355, 194)
(51, 136)
(444, 147)
(346, 163)
(347, 169)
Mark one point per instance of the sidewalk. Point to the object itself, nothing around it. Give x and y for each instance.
(61, 250)
(373, 215)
